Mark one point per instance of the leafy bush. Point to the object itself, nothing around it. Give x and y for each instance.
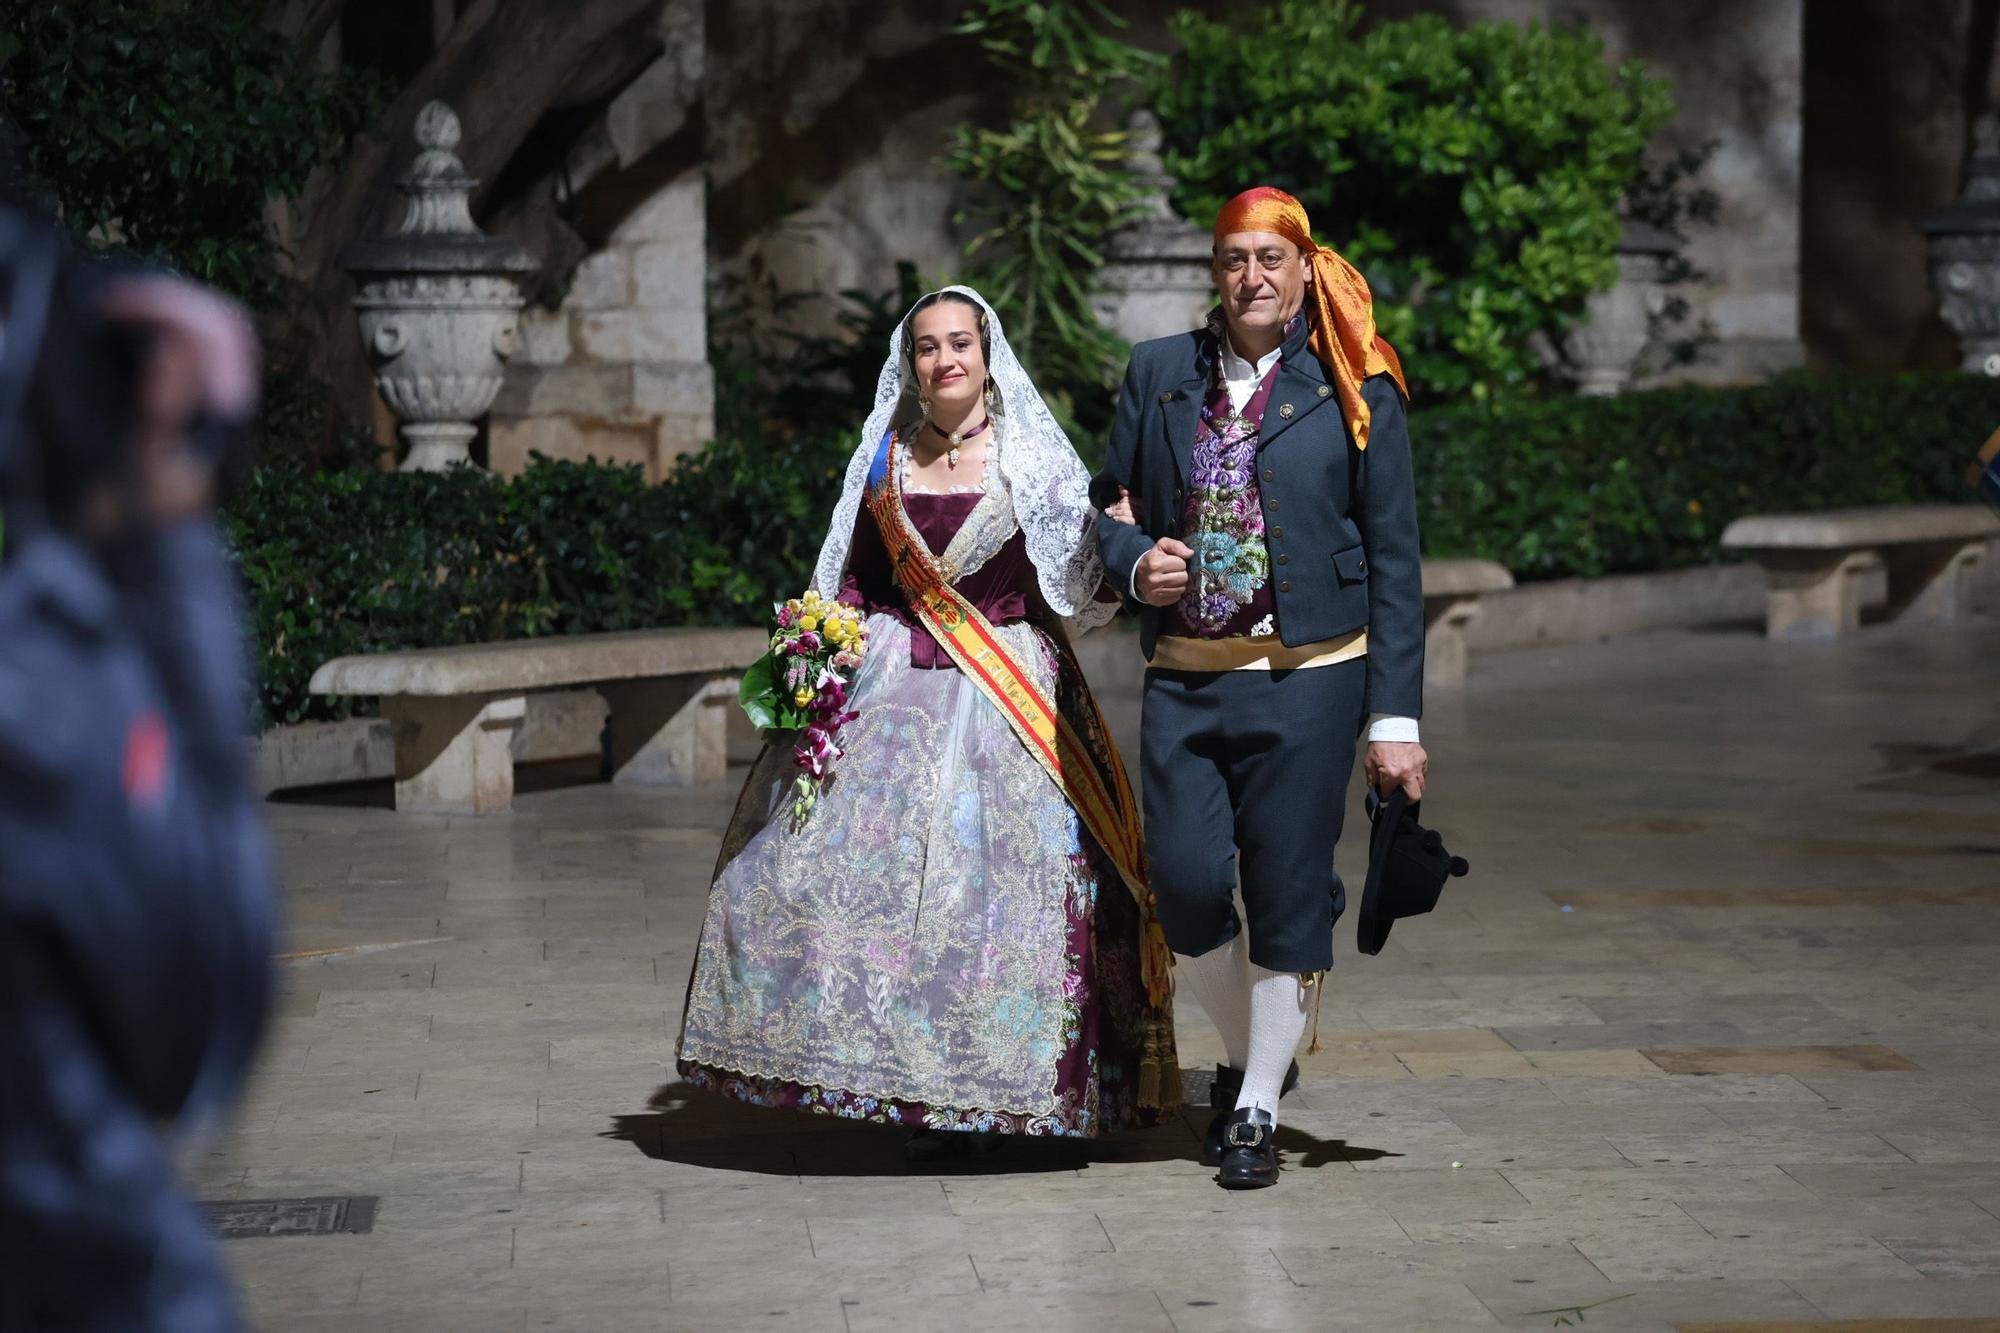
(1473, 174)
(165, 128)
(364, 561)
(1564, 487)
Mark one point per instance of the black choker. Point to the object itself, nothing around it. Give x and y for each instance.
(957, 437)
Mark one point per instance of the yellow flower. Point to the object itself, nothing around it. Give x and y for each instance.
(812, 597)
(802, 696)
(809, 622)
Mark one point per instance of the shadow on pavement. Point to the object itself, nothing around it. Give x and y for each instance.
(696, 1128)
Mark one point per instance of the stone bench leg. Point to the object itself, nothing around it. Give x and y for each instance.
(1931, 583)
(1446, 620)
(1815, 594)
(455, 756)
(670, 732)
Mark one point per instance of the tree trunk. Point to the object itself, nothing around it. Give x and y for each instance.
(503, 67)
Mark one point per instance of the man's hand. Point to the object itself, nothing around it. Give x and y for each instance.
(1393, 764)
(1163, 573)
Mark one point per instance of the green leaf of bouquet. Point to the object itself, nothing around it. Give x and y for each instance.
(759, 692)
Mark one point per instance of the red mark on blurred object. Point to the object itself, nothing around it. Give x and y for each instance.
(145, 773)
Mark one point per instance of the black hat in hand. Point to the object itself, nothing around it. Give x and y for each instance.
(1407, 868)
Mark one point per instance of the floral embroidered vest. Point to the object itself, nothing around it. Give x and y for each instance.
(1222, 521)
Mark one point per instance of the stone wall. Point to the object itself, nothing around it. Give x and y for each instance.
(810, 141)
(826, 125)
(875, 190)
(618, 371)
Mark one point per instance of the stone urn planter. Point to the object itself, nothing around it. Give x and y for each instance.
(1155, 278)
(439, 303)
(1600, 352)
(1963, 239)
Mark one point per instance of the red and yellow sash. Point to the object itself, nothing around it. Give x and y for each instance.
(1073, 745)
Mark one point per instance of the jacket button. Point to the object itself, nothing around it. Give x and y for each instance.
(1270, 475)
(1324, 391)
(1285, 410)
(1271, 505)
(1167, 397)
(1277, 532)
(1286, 586)
(1284, 560)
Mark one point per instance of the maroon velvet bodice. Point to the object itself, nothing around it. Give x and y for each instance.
(1003, 589)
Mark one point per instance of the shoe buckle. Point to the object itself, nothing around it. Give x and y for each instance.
(1245, 1135)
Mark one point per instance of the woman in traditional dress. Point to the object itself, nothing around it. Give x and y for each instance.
(958, 937)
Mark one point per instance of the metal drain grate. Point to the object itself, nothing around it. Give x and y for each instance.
(246, 1219)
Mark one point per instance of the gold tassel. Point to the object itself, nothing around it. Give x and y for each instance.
(1159, 1071)
(1318, 982)
(1156, 962)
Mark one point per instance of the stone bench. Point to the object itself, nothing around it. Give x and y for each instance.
(1452, 589)
(454, 710)
(1818, 568)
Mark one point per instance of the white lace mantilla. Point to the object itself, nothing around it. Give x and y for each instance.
(1037, 468)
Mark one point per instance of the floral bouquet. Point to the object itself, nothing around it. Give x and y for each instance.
(799, 689)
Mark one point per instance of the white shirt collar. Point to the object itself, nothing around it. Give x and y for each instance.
(1236, 368)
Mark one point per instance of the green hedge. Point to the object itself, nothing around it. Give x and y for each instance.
(364, 561)
(1580, 487)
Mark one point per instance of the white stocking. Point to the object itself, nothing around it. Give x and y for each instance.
(1220, 980)
(1277, 1021)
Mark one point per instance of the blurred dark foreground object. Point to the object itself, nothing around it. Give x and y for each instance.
(136, 900)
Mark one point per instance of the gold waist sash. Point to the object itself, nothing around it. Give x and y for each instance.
(1260, 652)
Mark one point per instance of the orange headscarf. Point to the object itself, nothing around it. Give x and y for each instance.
(1337, 300)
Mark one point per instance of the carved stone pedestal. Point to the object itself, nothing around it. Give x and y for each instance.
(1452, 590)
(672, 732)
(455, 756)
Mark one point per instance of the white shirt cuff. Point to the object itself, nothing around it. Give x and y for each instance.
(1133, 581)
(1383, 727)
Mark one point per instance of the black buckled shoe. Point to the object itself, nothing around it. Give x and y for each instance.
(1222, 1096)
(1249, 1151)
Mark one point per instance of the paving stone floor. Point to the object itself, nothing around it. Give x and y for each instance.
(1711, 1039)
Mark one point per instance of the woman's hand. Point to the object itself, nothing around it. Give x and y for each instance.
(1122, 511)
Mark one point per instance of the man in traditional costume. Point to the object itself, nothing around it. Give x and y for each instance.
(1272, 554)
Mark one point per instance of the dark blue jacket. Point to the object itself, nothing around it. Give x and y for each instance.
(135, 926)
(1341, 523)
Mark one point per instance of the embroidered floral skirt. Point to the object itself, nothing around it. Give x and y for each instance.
(939, 946)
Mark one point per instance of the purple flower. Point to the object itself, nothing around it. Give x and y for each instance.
(832, 696)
